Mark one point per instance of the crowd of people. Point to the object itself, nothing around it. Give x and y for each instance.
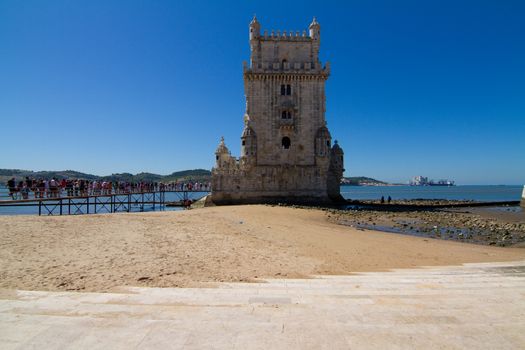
(55, 188)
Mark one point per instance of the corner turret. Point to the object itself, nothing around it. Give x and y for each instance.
(336, 171)
(336, 161)
(223, 156)
(248, 140)
(315, 30)
(323, 141)
(255, 28)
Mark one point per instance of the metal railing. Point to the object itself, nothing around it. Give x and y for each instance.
(96, 203)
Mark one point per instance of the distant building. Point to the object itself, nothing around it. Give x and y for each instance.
(424, 181)
(419, 181)
(286, 149)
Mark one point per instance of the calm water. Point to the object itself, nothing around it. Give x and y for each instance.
(477, 193)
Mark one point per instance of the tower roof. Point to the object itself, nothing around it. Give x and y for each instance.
(336, 148)
(222, 147)
(323, 133)
(314, 24)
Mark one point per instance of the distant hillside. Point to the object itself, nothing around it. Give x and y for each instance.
(195, 175)
(127, 177)
(6, 174)
(200, 175)
(362, 181)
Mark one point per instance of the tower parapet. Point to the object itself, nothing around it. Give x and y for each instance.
(286, 50)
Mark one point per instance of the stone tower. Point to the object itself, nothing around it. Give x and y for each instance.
(286, 148)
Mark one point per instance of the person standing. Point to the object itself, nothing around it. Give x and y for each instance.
(82, 187)
(53, 187)
(24, 190)
(41, 188)
(11, 185)
(30, 184)
(46, 188)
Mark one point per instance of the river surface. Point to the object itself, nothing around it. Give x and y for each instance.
(476, 193)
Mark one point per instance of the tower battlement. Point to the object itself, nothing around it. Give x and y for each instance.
(285, 35)
(285, 50)
(313, 34)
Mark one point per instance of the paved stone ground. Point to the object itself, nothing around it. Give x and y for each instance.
(472, 306)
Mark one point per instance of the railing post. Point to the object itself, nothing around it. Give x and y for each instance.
(39, 208)
(60, 206)
(87, 198)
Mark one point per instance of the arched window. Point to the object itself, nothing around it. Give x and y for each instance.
(286, 90)
(285, 142)
(286, 115)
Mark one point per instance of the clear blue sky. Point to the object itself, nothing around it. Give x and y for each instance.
(433, 88)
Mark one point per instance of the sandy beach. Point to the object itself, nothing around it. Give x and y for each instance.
(202, 246)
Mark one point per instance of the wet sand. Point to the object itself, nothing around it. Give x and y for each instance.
(202, 246)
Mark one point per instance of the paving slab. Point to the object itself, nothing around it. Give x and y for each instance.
(479, 306)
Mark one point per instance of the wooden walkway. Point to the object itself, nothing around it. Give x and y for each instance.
(103, 203)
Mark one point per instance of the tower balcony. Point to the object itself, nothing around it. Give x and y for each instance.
(286, 67)
(286, 124)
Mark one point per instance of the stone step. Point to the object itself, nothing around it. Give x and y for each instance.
(471, 306)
